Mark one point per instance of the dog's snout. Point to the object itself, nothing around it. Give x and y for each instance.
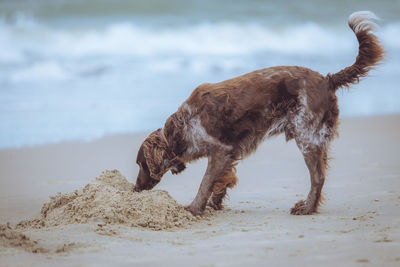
(136, 188)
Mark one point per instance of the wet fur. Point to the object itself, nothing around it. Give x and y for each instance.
(226, 121)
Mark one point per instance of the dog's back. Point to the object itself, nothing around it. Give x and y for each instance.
(241, 111)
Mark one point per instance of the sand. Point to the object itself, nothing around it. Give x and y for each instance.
(110, 200)
(10, 238)
(105, 203)
(359, 224)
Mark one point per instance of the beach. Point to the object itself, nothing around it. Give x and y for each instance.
(358, 224)
(82, 83)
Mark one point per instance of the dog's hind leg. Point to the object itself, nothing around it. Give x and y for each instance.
(227, 180)
(316, 161)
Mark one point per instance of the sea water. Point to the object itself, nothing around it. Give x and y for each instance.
(79, 70)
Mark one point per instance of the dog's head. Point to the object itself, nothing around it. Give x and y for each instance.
(155, 159)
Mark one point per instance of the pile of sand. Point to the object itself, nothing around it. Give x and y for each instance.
(110, 200)
(106, 202)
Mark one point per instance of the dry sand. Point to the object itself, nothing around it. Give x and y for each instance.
(102, 222)
(110, 200)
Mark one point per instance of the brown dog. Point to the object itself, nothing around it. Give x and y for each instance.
(226, 121)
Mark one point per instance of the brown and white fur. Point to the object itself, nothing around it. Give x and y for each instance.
(226, 121)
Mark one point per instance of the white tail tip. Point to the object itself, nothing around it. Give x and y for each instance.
(363, 21)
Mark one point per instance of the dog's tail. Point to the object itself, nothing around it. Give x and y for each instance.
(370, 51)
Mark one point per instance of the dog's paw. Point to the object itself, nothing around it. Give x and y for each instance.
(194, 210)
(215, 206)
(302, 208)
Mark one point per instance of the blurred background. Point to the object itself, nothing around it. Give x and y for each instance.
(78, 70)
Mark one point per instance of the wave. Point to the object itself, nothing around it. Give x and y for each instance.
(26, 38)
(34, 51)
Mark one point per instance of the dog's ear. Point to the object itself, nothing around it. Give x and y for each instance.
(155, 154)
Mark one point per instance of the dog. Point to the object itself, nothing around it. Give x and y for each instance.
(226, 121)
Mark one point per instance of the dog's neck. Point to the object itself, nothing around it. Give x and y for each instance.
(173, 134)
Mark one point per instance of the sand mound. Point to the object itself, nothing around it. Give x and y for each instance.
(110, 199)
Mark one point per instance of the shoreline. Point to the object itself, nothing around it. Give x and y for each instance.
(145, 133)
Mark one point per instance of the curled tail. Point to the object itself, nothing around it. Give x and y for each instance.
(370, 51)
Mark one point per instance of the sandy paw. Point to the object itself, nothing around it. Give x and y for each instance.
(215, 206)
(194, 210)
(302, 208)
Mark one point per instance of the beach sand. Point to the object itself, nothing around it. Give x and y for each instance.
(358, 225)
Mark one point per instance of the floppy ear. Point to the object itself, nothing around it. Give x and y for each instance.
(155, 161)
(155, 153)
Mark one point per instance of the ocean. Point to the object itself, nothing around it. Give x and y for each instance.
(74, 70)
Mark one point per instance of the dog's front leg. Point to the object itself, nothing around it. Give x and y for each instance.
(217, 163)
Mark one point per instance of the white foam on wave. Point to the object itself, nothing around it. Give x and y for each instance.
(23, 39)
(35, 50)
(219, 39)
(40, 71)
